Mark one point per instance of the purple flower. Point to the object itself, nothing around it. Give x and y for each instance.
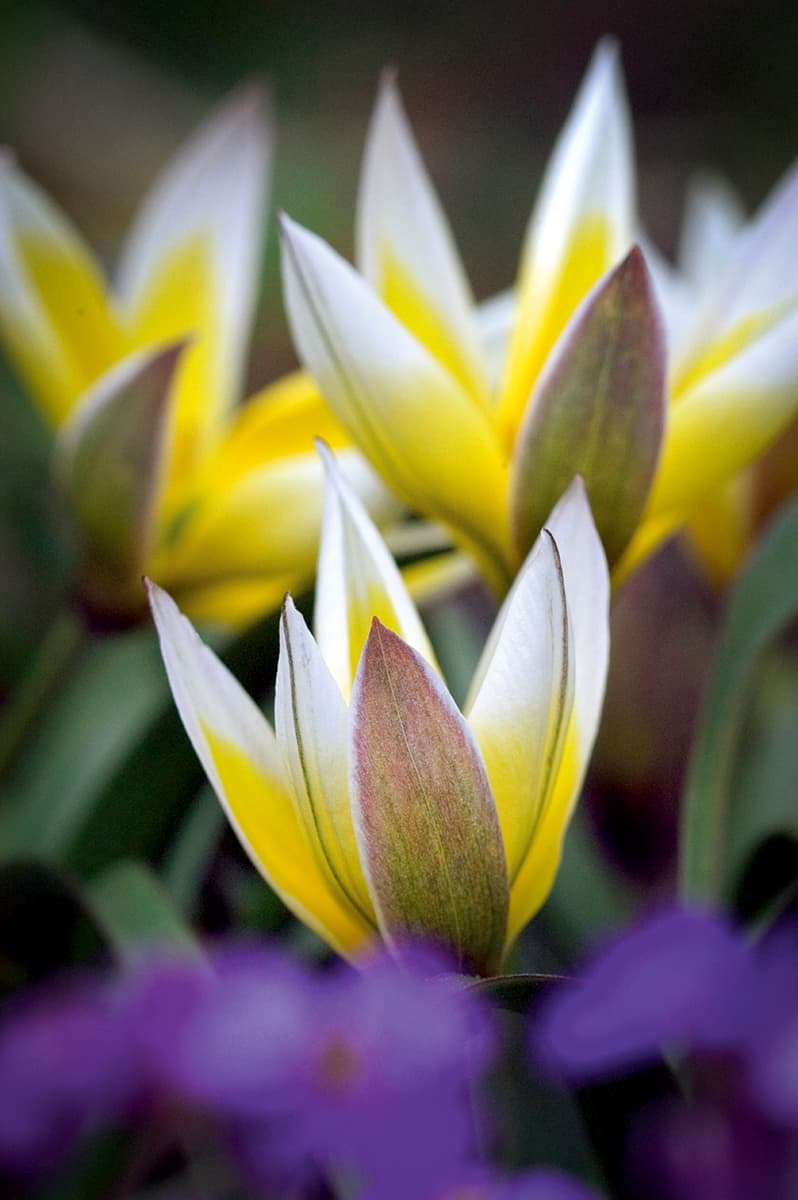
(717, 1152)
(538, 1184)
(773, 1014)
(687, 983)
(381, 1093)
(63, 1071)
(673, 982)
(233, 1037)
(363, 1078)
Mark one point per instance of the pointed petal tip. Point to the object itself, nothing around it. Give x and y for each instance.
(608, 50)
(291, 621)
(388, 86)
(635, 265)
(286, 224)
(169, 355)
(293, 236)
(160, 602)
(326, 455)
(250, 103)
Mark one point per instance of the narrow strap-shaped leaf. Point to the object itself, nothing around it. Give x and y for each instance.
(423, 809)
(134, 909)
(761, 606)
(598, 411)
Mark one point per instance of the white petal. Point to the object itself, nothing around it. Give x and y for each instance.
(587, 590)
(239, 752)
(215, 188)
(434, 445)
(591, 168)
(405, 249)
(676, 297)
(312, 725)
(713, 217)
(357, 580)
(583, 222)
(757, 285)
(520, 701)
(56, 321)
(728, 418)
(496, 318)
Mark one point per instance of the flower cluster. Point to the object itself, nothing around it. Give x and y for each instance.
(162, 471)
(688, 985)
(365, 1079)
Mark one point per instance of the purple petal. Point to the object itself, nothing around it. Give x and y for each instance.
(672, 982)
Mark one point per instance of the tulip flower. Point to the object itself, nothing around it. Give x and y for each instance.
(722, 529)
(397, 354)
(375, 808)
(162, 474)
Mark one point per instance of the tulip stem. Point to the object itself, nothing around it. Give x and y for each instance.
(56, 653)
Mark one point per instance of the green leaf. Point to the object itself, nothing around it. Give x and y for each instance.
(764, 798)
(761, 606)
(598, 411)
(93, 724)
(135, 912)
(55, 655)
(192, 850)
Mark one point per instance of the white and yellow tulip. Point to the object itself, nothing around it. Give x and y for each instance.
(715, 234)
(140, 380)
(375, 808)
(585, 386)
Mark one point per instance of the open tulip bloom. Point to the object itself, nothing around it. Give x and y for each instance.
(376, 809)
(588, 385)
(162, 475)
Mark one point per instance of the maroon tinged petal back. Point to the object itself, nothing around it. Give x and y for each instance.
(424, 813)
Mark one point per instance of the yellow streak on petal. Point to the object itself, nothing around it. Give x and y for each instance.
(264, 524)
(280, 421)
(233, 604)
(86, 337)
(269, 826)
(720, 532)
(535, 879)
(545, 307)
(180, 302)
(717, 353)
(366, 599)
(408, 303)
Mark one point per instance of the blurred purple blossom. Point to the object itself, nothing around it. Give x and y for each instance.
(365, 1077)
(686, 983)
(538, 1184)
(62, 1068)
